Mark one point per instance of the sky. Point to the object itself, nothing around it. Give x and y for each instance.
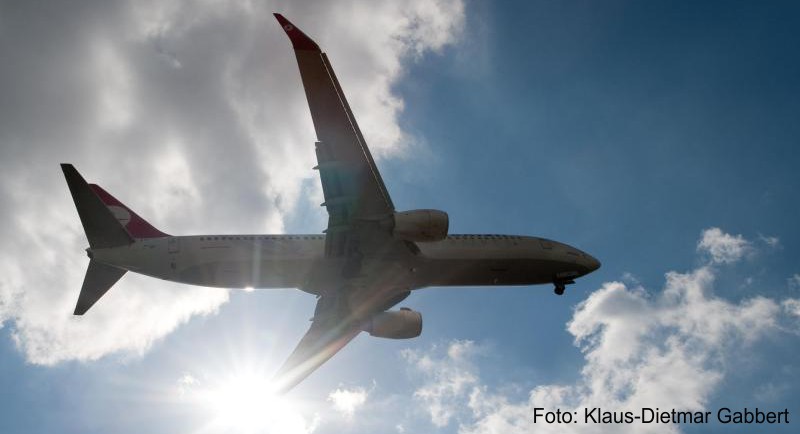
(659, 136)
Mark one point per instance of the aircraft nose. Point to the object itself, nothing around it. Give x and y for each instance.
(590, 262)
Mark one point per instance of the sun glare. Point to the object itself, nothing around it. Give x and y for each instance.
(245, 403)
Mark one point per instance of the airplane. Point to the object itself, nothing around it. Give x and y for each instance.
(368, 259)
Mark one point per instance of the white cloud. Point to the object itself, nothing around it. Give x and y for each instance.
(770, 241)
(723, 248)
(666, 349)
(792, 306)
(794, 281)
(347, 401)
(193, 114)
(448, 379)
(186, 383)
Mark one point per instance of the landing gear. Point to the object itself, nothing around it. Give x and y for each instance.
(561, 285)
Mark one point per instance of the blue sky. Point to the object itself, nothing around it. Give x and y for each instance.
(659, 136)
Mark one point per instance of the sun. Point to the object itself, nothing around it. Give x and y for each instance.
(245, 403)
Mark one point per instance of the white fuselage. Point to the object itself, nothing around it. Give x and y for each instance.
(298, 261)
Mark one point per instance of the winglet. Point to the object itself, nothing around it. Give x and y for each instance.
(300, 41)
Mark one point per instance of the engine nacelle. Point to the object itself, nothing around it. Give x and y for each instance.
(420, 225)
(397, 324)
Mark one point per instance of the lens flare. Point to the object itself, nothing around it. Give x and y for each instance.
(245, 403)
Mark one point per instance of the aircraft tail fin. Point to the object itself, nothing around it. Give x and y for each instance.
(135, 225)
(99, 279)
(106, 221)
(101, 226)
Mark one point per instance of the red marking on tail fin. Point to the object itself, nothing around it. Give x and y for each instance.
(135, 225)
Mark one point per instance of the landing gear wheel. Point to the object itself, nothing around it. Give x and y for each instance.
(559, 289)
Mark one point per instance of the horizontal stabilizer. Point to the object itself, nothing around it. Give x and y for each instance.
(99, 279)
(101, 227)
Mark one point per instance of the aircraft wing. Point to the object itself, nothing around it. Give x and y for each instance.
(331, 329)
(355, 195)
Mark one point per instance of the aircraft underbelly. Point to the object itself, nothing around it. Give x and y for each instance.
(488, 272)
(288, 273)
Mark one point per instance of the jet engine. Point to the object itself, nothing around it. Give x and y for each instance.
(397, 324)
(420, 225)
